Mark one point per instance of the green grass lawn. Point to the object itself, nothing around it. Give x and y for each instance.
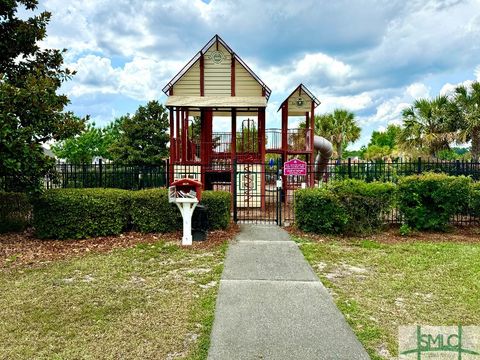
(151, 301)
(379, 286)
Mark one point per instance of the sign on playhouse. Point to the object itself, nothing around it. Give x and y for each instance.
(295, 167)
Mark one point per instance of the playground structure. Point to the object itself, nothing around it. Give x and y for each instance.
(216, 87)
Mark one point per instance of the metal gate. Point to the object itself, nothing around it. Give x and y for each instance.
(257, 193)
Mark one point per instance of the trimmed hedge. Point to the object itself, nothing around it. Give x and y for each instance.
(344, 207)
(474, 203)
(151, 212)
(15, 210)
(81, 213)
(319, 211)
(218, 204)
(365, 203)
(428, 201)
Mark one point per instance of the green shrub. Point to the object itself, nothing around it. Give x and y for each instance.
(81, 213)
(319, 211)
(218, 204)
(428, 201)
(15, 210)
(474, 203)
(151, 211)
(365, 203)
(343, 207)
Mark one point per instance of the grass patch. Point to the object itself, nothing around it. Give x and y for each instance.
(380, 286)
(151, 301)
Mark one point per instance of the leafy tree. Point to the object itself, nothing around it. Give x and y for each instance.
(90, 143)
(339, 127)
(355, 153)
(388, 137)
(247, 138)
(377, 152)
(143, 137)
(430, 125)
(455, 153)
(468, 103)
(31, 112)
(195, 129)
(382, 143)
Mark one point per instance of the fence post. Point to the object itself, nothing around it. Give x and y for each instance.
(349, 168)
(457, 168)
(234, 183)
(100, 172)
(419, 165)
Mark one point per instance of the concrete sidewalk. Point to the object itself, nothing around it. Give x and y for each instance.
(271, 305)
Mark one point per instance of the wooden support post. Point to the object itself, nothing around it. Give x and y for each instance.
(285, 145)
(189, 142)
(312, 150)
(233, 148)
(261, 134)
(203, 145)
(178, 145)
(285, 130)
(172, 144)
(262, 150)
(184, 136)
(208, 135)
(234, 134)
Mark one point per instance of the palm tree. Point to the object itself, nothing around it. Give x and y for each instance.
(429, 124)
(339, 127)
(468, 103)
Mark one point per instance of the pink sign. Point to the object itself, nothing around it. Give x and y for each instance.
(295, 167)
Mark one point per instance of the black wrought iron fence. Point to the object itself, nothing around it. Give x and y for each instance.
(108, 175)
(134, 177)
(392, 171)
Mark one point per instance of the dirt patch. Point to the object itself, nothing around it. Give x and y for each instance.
(345, 270)
(24, 249)
(466, 234)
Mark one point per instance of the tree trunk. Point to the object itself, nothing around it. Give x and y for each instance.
(475, 143)
(339, 150)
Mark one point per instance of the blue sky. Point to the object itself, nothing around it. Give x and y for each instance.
(372, 57)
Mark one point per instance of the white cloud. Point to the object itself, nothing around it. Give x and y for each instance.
(352, 103)
(449, 88)
(389, 110)
(141, 79)
(418, 90)
(312, 68)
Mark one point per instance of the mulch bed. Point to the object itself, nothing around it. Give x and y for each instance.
(466, 234)
(24, 249)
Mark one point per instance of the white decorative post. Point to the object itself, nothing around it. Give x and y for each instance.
(186, 206)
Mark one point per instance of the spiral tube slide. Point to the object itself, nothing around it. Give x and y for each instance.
(325, 152)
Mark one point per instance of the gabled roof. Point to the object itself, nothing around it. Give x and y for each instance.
(207, 46)
(306, 91)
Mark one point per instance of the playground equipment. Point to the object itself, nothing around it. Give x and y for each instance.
(325, 152)
(216, 85)
(186, 193)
